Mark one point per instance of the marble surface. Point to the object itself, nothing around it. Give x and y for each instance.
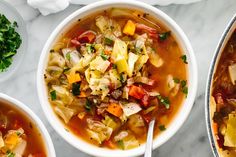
(203, 23)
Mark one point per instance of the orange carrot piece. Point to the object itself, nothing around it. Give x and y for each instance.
(115, 109)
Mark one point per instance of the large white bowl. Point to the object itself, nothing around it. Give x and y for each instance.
(85, 11)
(34, 119)
(209, 108)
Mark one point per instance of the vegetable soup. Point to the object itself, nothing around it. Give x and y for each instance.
(223, 100)
(111, 72)
(19, 137)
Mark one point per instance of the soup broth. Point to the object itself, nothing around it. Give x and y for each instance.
(18, 135)
(114, 71)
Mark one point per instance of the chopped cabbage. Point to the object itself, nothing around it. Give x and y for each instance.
(100, 86)
(99, 64)
(140, 62)
(136, 124)
(131, 61)
(119, 50)
(130, 108)
(71, 56)
(115, 78)
(65, 113)
(63, 94)
(57, 60)
(108, 121)
(98, 131)
(129, 140)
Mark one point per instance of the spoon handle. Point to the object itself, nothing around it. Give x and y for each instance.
(148, 151)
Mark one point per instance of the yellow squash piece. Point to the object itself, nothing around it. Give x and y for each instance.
(122, 65)
(73, 77)
(230, 136)
(129, 28)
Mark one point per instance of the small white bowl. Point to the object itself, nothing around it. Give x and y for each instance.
(11, 13)
(229, 30)
(93, 8)
(50, 152)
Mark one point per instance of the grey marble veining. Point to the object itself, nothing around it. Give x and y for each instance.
(202, 22)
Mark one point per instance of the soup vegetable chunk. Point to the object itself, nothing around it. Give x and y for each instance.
(111, 72)
(224, 100)
(18, 136)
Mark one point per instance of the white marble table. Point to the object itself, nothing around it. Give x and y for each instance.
(203, 23)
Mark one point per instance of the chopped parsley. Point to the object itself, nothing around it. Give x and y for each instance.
(53, 95)
(10, 154)
(76, 88)
(108, 41)
(176, 80)
(68, 57)
(162, 127)
(120, 144)
(184, 86)
(184, 58)
(164, 101)
(10, 41)
(104, 57)
(164, 36)
(88, 105)
(114, 66)
(90, 48)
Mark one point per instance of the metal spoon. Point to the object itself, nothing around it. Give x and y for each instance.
(148, 151)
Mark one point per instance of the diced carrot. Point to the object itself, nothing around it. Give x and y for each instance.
(82, 94)
(73, 77)
(115, 109)
(215, 128)
(110, 144)
(136, 92)
(107, 52)
(129, 28)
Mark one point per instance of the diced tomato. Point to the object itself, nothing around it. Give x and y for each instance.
(136, 92)
(109, 144)
(219, 101)
(146, 28)
(75, 42)
(145, 100)
(147, 118)
(86, 37)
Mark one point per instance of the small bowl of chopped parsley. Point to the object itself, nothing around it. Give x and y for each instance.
(13, 40)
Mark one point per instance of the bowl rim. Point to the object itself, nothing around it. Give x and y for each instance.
(32, 116)
(217, 54)
(81, 144)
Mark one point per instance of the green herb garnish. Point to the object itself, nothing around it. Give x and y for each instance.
(176, 80)
(90, 48)
(10, 154)
(164, 101)
(104, 57)
(108, 41)
(183, 83)
(10, 41)
(88, 105)
(184, 58)
(76, 88)
(53, 95)
(162, 127)
(114, 66)
(120, 144)
(68, 57)
(164, 36)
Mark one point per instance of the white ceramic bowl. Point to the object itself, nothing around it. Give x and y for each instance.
(34, 119)
(208, 106)
(87, 10)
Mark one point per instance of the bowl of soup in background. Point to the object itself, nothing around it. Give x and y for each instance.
(22, 131)
(183, 110)
(220, 95)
